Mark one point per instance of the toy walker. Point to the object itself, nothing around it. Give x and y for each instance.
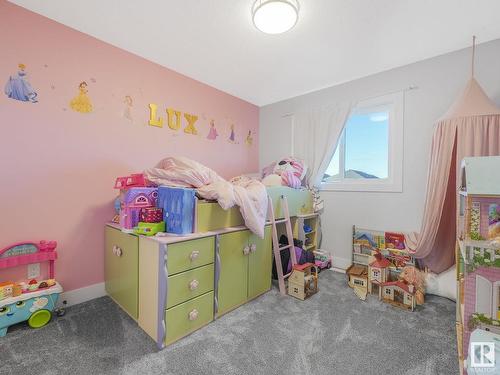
(33, 301)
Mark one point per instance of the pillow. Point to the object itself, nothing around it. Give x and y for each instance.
(443, 285)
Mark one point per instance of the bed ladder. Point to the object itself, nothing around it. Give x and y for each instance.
(276, 245)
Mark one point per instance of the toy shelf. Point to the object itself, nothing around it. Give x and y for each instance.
(308, 238)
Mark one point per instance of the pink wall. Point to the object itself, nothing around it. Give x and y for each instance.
(58, 166)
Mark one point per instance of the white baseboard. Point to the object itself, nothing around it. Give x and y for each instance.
(341, 263)
(339, 270)
(76, 296)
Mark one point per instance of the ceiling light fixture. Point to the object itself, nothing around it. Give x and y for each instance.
(275, 16)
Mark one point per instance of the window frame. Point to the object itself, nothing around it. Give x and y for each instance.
(394, 105)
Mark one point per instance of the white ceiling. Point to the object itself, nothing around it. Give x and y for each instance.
(214, 41)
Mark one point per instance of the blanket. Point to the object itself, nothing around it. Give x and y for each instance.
(249, 194)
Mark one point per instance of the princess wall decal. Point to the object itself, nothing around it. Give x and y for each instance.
(127, 110)
(232, 135)
(249, 138)
(18, 87)
(81, 103)
(212, 134)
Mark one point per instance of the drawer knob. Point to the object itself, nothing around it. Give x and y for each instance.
(193, 285)
(253, 248)
(193, 315)
(246, 250)
(194, 255)
(117, 251)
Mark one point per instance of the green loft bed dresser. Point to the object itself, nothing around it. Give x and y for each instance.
(173, 286)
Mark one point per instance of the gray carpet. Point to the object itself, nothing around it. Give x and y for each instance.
(331, 333)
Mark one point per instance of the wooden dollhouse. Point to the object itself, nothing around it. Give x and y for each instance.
(357, 278)
(379, 259)
(398, 293)
(377, 273)
(303, 281)
(478, 251)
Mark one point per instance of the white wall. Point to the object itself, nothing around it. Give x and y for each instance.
(439, 81)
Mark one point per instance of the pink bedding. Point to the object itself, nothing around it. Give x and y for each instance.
(249, 194)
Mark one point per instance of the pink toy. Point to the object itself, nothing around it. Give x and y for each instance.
(151, 215)
(35, 301)
(287, 172)
(132, 201)
(288, 178)
(134, 180)
(23, 253)
(322, 259)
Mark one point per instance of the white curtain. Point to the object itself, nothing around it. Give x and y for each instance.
(316, 134)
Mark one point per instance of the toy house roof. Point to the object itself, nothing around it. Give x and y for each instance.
(481, 175)
(400, 285)
(357, 270)
(302, 267)
(380, 262)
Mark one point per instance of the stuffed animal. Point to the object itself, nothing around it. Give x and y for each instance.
(286, 172)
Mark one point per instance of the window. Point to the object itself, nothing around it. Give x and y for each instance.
(388, 291)
(359, 282)
(369, 153)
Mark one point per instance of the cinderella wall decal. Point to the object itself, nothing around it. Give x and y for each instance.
(18, 87)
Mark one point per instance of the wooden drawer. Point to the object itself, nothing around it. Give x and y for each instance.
(121, 271)
(185, 318)
(187, 255)
(189, 284)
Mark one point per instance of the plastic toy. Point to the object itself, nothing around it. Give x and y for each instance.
(35, 306)
(133, 200)
(149, 229)
(151, 215)
(303, 282)
(6, 289)
(134, 180)
(178, 208)
(322, 260)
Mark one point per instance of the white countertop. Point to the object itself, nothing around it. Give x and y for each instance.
(169, 238)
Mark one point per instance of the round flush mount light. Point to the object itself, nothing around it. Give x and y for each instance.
(275, 16)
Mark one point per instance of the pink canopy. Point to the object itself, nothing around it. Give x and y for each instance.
(471, 127)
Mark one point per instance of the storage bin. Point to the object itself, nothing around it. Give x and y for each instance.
(178, 208)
